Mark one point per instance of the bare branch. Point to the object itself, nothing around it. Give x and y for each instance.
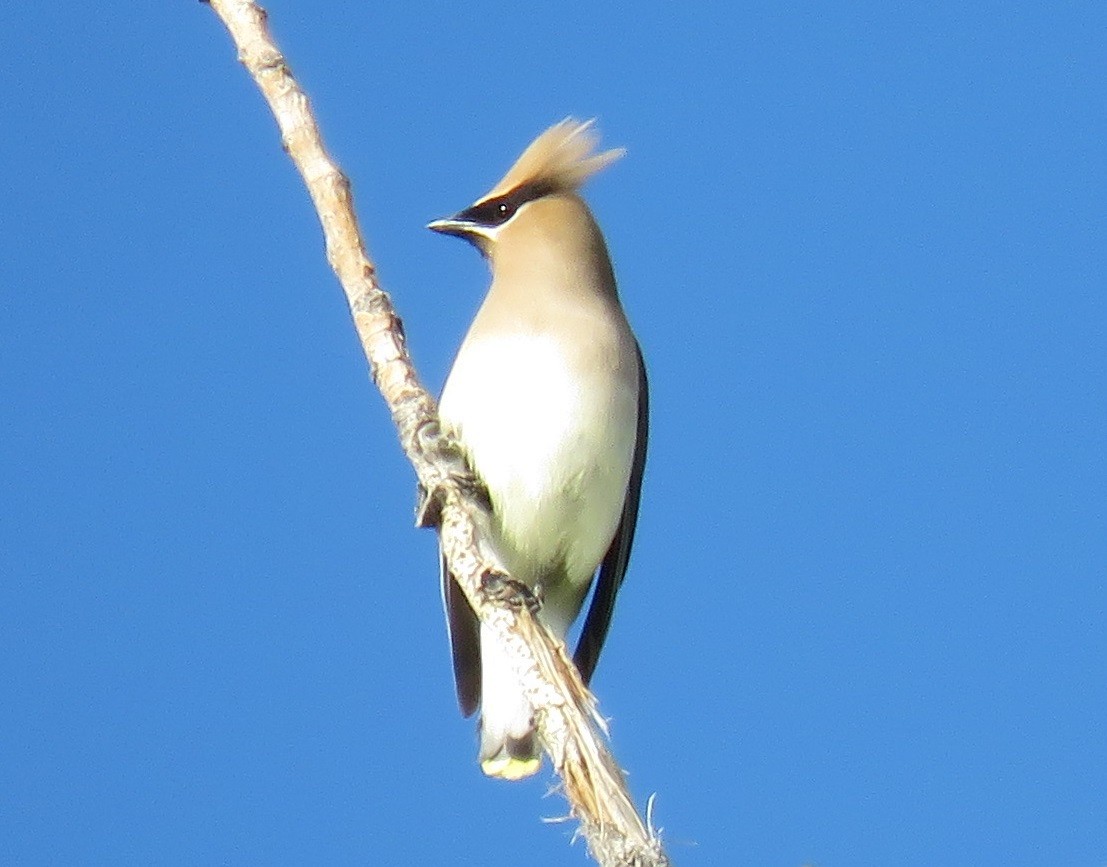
(569, 725)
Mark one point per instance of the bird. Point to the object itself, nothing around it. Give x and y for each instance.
(548, 399)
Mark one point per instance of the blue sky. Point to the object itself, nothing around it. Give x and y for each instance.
(863, 247)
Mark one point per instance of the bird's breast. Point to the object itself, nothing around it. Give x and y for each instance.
(550, 428)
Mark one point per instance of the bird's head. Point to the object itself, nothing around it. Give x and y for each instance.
(537, 196)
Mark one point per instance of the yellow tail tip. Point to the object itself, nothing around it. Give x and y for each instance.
(509, 768)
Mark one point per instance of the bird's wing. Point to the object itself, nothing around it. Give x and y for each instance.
(464, 629)
(614, 564)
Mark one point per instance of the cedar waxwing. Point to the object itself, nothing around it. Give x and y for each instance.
(548, 398)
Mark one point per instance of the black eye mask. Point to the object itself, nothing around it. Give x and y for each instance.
(497, 211)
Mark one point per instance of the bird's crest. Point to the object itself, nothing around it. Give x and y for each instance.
(562, 158)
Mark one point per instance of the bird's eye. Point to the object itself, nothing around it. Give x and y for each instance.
(504, 211)
(491, 214)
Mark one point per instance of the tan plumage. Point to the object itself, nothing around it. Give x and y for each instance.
(548, 397)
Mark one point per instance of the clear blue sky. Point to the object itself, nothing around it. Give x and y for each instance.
(864, 247)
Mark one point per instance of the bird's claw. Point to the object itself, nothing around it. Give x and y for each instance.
(503, 588)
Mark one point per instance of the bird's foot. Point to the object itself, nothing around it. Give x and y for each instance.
(450, 455)
(503, 588)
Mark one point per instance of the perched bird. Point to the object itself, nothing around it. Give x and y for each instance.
(548, 398)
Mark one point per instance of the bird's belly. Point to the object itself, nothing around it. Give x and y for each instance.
(554, 444)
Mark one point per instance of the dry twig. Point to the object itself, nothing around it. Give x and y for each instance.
(565, 710)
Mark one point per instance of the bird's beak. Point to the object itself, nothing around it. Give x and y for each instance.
(452, 226)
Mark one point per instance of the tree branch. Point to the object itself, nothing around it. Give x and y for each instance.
(569, 725)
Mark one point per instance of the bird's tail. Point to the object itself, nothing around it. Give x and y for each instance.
(508, 740)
